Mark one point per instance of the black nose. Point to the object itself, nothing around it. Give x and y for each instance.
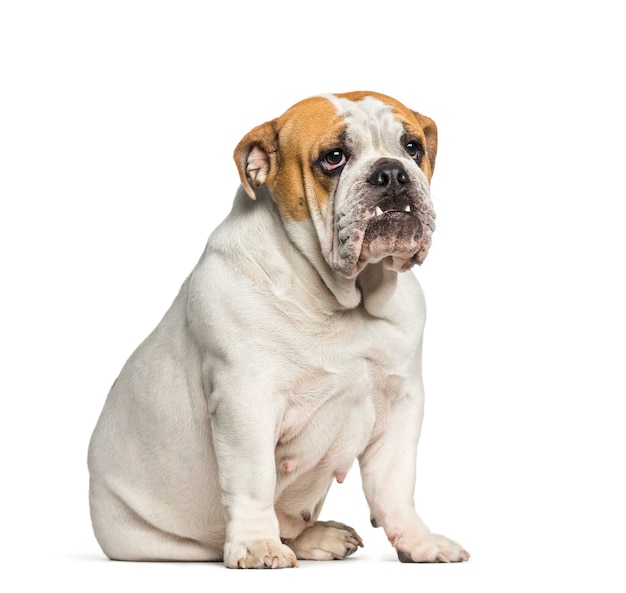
(389, 174)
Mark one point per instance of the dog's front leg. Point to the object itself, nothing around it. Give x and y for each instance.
(388, 476)
(243, 438)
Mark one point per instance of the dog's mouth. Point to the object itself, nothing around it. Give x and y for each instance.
(393, 212)
(392, 205)
(399, 228)
(374, 225)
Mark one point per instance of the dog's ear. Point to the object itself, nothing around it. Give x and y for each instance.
(430, 131)
(256, 157)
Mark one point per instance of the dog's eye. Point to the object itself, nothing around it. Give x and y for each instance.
(333, 159)
(414, 149)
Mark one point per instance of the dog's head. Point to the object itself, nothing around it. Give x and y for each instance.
(355, 165)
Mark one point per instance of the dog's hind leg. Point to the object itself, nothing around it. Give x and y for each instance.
(124, 535)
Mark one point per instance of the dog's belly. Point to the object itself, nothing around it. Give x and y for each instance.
(330, 419)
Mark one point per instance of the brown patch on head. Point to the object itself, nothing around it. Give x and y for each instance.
(425, 130)
(280, 153)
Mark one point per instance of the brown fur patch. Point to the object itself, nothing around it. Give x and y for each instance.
(292, 144)
(297, 188)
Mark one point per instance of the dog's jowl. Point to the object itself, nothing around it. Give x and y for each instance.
(292, 349)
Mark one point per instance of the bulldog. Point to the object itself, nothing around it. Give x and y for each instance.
(292, 349)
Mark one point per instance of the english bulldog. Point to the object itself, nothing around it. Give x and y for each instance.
(292, 349)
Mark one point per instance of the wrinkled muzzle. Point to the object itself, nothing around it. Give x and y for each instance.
(385, 215)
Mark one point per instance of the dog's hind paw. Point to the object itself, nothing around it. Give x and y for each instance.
(326, 540)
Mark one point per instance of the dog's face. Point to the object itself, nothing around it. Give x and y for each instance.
(358, 165)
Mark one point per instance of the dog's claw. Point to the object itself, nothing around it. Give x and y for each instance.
(326, 540)
(259, 554)
(442, 558)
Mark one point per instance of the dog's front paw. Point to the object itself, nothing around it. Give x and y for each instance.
(429, 548)
(326, 540)
(259, 553)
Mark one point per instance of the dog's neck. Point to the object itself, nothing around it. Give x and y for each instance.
(371, 289)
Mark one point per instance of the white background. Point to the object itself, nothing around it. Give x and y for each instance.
(117, 125)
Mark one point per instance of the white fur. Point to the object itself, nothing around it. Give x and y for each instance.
(259, 386)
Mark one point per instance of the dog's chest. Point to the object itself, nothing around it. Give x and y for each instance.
(338, 403)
